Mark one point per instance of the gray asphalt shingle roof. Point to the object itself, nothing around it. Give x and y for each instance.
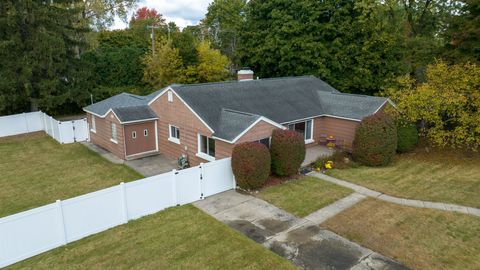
(230, 107)
(232, 123)
(134, 113)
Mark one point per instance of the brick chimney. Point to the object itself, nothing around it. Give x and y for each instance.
(245, 74)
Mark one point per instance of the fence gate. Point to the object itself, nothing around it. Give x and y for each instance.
(80, 129)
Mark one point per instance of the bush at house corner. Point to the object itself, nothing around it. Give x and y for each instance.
(375, 141)
(288, 152)
(407, 137)
(251, 164)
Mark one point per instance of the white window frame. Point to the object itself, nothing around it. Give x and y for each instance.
(134, 134)
(200, 154)
(94, 124)
(307, 141)
(145, 133)
(269, 141)
(170, 96)
(173, 137)
(114, 133)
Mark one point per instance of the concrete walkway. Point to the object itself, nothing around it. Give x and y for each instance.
(401, 201)
(299, 240)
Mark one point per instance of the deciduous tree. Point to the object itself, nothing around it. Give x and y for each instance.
(447, 104)
(163, 68)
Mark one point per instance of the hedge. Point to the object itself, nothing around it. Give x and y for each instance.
(375, 140)
(251, 164)
(288, 152)
(407, 137)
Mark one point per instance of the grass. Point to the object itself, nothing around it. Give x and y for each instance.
(441, 176)
(36, 170)
(177, 238)
(303, 196)
(419, 238)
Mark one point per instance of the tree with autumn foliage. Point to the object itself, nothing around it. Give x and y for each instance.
(147, 14)
(446, 105)
(164, 67)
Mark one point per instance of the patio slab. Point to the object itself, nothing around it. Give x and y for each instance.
(152, 165)
(314, 152)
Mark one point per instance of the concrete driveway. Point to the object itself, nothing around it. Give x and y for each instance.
(301, 241)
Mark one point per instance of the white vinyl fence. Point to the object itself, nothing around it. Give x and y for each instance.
(32, 232)
(61, 131)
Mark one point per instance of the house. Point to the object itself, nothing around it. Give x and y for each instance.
(205, 121)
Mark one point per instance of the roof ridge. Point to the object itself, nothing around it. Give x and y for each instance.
(352, 94)
(246, 81)
(239, 112)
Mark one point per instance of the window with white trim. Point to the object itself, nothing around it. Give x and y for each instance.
(170, 96)
(145, 132)
(174, 134)
(94, 124)
(304, 128)
(114, 132)
(134, 134)
(206, 145)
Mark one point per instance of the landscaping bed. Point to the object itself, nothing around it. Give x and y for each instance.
(419, 238)
(37, 170)
(304, 195)
(177, 238)
(436, 175)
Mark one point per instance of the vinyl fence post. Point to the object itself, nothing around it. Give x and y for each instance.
(61, 220)
(26, 122)
(124, 202)
(59, 124)
(201, 181)
(44, 122)
(174, 187)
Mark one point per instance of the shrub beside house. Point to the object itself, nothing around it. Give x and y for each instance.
(375, 140)
(251, 164)
(288, 152)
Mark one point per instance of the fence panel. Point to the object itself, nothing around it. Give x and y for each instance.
(35, 231)
(217, 177)
(29, 233)
(48, 124)
(188, 185)
(20, 123)
(63, 132)
(150, 195)
(34, 121)
(80, 130)
(93, 212)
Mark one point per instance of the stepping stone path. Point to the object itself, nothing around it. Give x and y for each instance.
(299, 240)
(407, 202)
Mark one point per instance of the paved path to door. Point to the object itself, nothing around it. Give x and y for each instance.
(299, 240)
(401, 201)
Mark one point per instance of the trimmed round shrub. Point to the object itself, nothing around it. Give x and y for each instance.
(288, 152)
(407, 138)
(375, 140)
(251, 164)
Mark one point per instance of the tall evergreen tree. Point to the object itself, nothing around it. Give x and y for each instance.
(40, 65)
(348, 43)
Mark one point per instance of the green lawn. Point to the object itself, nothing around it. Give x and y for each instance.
(303, 196)
(441, 176)
(36, 170)
(419, 238)
(177, 238)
